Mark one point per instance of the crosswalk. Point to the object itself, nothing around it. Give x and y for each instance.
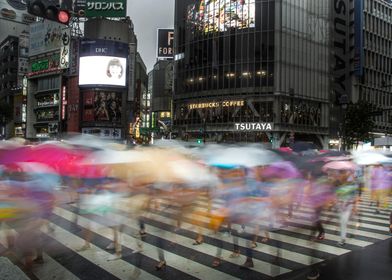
(289, 248)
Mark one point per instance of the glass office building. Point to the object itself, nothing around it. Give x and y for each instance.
(241, 62)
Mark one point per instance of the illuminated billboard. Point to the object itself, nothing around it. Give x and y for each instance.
(165, 43)
(221, 15)
(103, 63)
(102, 106)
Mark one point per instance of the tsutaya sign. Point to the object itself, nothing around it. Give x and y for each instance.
(227, 103)
(253, 126)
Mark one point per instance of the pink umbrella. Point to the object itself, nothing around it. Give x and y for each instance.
(11, 156)
(339, 165)
(286, 150)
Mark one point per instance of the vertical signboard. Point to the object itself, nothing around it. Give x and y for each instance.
(165, 43)
(359, 50)
(342, 44)
(131, 71)
(65, 48)
(341, 48)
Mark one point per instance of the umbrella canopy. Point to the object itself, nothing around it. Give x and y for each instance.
(281, 170)
(371, 158)
(153, 166)
(339, 165)
(37, 176)
(231, 157)
(14, 155)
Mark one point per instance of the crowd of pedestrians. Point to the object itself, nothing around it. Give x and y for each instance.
(243, 192)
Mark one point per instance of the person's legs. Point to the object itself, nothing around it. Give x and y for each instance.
(344, 217)
(249, 255)
(218, 256)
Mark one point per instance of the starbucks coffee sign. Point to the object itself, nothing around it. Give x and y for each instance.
(253, 126)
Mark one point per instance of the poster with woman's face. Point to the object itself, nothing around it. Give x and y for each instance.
(102, 70)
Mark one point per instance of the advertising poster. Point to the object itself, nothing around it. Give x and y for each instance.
(220, 15)
(47, 36)
(65, 47)
(165, 43)
(103, 63)
(102, 106)
(15, 10)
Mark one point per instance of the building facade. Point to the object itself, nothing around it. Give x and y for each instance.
(241, 64)
(372, 79)
(47, 80)
(13, 85)
(162, 94)
(108, 103)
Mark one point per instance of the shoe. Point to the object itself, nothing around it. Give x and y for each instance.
(197, 242)
(342, 243)
(313, 275)
(321, 236)
(38, 260)
(216, 262)
(247, 264)
(110, 246)
(253, 245)
(115, 257)
(160, 265)
(84, 248)
(235, 254)
(142, 233)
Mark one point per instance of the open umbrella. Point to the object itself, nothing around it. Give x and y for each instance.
(339, 165)
(236, 156)
(282, 170)
(371, 158)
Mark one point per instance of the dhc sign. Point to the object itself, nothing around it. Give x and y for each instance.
(253, 126)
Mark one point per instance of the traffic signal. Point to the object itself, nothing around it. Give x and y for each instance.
(199, 141)
(49, 9)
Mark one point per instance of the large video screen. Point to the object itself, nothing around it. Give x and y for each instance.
(103, 63)
(102, 70)
(221, 15)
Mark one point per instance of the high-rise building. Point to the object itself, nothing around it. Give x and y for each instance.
(49, 48)
(13, 67)
(14, 21)
(252, 70)
(162, 94)
(372, 77)
(114, 39)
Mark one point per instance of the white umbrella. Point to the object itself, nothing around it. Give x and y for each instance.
(371, 158)
(245, 156)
